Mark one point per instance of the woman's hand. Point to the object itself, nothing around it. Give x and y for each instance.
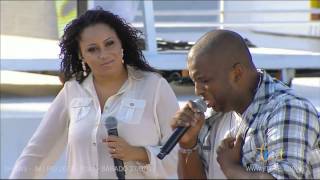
(120, 149)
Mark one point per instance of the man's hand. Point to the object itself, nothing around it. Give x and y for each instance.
(188, 117)
(228, 153)
(228, 156)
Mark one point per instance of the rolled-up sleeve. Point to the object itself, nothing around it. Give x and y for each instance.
(165, 108)
(293, 130)
(46, 144)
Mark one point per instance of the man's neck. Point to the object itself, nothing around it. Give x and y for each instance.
(253, 88)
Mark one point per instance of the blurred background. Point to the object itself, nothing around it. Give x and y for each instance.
(283, 36)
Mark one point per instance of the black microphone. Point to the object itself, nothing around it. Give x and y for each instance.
(179, 131)
(111, 126)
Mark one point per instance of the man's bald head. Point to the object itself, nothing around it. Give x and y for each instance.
(221, 68)
(221, 48)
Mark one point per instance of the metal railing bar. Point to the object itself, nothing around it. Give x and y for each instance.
(217, 24)
(217, 12)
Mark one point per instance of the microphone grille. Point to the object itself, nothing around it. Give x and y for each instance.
(201, 105)
(110, 123)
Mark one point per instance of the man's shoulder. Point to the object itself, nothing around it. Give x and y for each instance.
(289, 108)
(284, 106)
(289, 100)
(281, 97)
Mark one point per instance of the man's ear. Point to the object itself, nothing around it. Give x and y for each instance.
(237, 72)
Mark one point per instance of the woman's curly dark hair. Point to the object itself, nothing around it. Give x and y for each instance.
(71, 64)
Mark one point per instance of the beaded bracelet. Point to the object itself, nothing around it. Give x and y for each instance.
(188, 151)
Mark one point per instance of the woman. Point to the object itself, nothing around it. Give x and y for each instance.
(106, 75)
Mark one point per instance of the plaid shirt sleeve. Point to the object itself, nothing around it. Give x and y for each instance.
(314, 160)
(292, 131)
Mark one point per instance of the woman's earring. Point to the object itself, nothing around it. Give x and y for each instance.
(84, 68)
(122, 56)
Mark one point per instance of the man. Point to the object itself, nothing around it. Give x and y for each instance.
(214, 130)
(277, 131)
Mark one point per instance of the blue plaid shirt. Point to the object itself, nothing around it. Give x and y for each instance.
(280, 131)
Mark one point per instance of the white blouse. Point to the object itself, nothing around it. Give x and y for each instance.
(144, 107)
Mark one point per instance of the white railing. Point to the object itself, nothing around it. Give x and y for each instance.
(285, 60)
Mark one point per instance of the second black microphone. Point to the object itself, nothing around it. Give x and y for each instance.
(179, 132)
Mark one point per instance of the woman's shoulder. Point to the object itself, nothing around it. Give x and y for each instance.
(71, 83)
(154, 78)
(143, 75)
(152, 75)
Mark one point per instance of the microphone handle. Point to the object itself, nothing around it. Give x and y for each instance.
(118, 163)
(172, 141)
(120, 170)
(113, 132)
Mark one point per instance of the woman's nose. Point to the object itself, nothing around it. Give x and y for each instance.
(104, 53)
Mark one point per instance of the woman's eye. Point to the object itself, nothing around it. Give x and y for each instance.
(91, 49)
(109, 43)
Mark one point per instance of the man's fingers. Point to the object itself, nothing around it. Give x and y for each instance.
(219, 149)
(193, 107)
(190, 121)
(186, 111)
(227, 142)
(239, 141)
(230, 144)
(187, 118)
(183, 123)
(199, 116)
(184, 118)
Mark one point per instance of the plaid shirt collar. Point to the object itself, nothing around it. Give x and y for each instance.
(267, 88)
